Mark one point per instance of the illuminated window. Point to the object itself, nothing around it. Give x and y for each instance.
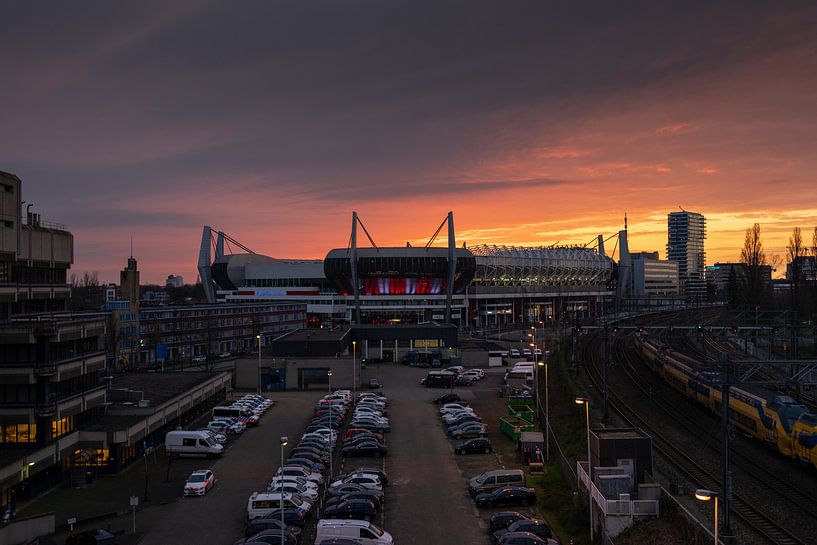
(18, 433)
(62, 426)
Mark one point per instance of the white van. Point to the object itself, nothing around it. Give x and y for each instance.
(192, 443)
(262, 504)
(361, 531)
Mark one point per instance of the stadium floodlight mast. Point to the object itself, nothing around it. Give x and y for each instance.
(586, 402)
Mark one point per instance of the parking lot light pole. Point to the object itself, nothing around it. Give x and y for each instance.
(707, 495)
(547, 412)
(586, 402)
(331, 451)
(284, 442)
(354, 372)
(258, 337)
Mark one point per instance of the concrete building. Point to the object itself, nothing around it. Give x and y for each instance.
(654, 278)
(720, 275)
(685, 245)
(174, 281)
(806, 267)
(35, 256)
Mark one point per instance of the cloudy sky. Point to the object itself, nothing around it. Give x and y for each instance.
(535, 122)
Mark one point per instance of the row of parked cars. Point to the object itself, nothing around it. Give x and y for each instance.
(506, 488)
(209, 441)
(462, 422)
(349, 500)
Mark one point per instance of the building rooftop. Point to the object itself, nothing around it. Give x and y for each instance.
(315, 334)
(160, 387)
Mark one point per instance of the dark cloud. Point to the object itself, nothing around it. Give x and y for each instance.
(127, 108)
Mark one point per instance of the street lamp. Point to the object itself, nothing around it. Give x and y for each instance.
(284, 441)
(586, 402)
(354, 372)
(331, 451)
(259, 362)
(706, 495)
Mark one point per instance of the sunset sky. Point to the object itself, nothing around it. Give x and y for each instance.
(535, 122)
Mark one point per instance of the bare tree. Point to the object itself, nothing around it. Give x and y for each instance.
(795, 252)
(754, 256)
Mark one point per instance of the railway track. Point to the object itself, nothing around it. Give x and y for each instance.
(677, 455)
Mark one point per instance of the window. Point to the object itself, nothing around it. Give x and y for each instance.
(188, 442)
(18, 433)
(62, 426)
(8, 224)
(8, 188)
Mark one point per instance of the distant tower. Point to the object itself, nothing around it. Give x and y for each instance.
(685, 244)
(129, 282)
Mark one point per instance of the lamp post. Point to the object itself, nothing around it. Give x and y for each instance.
(706, 495)
(354, 372)
(532, 335)
(258, 337)
(586, 402)
(331, 451)
(544, 364)
(284, 441)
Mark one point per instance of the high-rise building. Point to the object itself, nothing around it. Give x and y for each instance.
(685, 244)
(174, 281)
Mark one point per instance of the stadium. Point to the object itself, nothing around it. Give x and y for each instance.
(474, 288)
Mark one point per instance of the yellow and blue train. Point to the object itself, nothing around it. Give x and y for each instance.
(762, 413)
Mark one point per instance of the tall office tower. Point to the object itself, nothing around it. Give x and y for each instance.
(685, 244)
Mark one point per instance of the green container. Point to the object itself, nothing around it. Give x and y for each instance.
(517, 401)
(513, 426)
(522, 411)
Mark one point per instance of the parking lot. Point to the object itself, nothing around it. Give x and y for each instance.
(426, 498)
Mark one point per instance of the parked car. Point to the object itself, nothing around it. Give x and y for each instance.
(365, 448)
(366, 480)
(351, 509)
(344, 488)
(524, 538)
(503, 519)
(199, 482)
(352, 432)
(451, 407)
(375, 496)
(507, 496)
(472, 446)
(306, 493)
(446, 398)
(269, 523)
(307, 463)
(375, 383)
(292, 517)
(539, 528)
(514, 353)
(382, 475)
(273, 536)
(300, 481)
(470, 431)
(464, 380)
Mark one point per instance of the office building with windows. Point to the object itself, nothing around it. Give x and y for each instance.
(685, 245)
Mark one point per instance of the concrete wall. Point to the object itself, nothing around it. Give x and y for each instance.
(246, 372)
(27, 530)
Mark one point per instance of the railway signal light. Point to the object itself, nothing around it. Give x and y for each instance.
(641, 329)
(615, 330)
(734, 330)
(578, 328)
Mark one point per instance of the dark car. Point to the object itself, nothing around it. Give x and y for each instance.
(510, 495)
(307, 449)
(384, 477)
(375, 496)
(366, 448)
(292, 517)
(446, 398)
(463, 380)
(352, 432)
(522, 538)
(347, 488)
(311, 456)
(304, 462)
(538, 528)
(473, 446)
(376, 437)
(503, 519)
(264, 523)
(369, 425)
(375, 383)
(351, 509)
(270, 536)
(338, 541)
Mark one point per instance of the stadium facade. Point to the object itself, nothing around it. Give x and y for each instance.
(478, 287)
